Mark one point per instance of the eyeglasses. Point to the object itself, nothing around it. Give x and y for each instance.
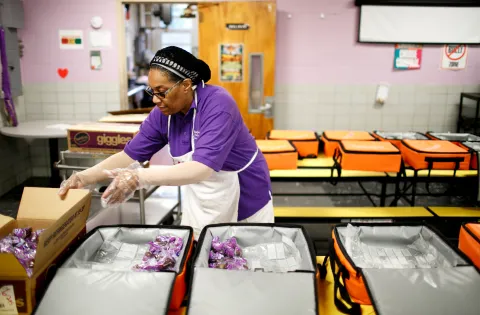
(150, 91)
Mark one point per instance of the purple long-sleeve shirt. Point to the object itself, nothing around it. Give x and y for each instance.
(222, 142)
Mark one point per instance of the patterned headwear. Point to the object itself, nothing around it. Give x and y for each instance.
(182, 63)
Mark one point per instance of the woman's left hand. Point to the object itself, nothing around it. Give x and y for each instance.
(123, 186)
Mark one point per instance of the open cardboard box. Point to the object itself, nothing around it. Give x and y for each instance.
(64, 221)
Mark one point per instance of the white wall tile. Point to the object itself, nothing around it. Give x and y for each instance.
(404, 122)
(33, 117)
(455, 89)
(342, 109)
(48, 97)
(342, 98)
(33, 108)
(98, 97)
(341, 122)
(65, 108)
(50, 116)
(389, 123)
(81, 97)
(82, 117)
(326, 109)
(325, 122)
(66, 116)
(65, 87)
(470, 88)
(439, 89)
(65, 97)
(81, 87)
(114, 106)
(360, 98)
(453, 99)
(49, 108)
(422, 109)
(83, 108)
(98, 108)
(327, 98)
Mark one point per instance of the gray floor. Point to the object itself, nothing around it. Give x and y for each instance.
(9, 202)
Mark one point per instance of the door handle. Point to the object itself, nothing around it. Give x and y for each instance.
(266, 107)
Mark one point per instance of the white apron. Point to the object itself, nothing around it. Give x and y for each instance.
(214, 200)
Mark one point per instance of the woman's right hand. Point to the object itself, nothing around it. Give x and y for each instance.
(77, 180)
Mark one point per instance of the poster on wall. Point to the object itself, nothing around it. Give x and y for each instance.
(408, 57)
(231, 62)
(70, 39)
(454, 57)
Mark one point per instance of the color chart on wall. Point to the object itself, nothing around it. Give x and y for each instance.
(70, 39)
(408, 57)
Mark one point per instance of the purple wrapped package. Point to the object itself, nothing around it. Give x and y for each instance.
(226, 255)
(34, 236)
(237, 263)
(22, 243)
(162, 254)
(22, 233)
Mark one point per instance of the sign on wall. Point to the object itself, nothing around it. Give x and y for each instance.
(231, 62)
(238, 26)
(454, 57)
(408, 57)
(70, 39)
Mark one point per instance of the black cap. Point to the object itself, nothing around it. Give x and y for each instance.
(182, 63)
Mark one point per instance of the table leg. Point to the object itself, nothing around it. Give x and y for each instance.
(383, 194)
(54, 172)
(141, 193)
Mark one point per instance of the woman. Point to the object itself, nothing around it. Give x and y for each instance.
(214, 155)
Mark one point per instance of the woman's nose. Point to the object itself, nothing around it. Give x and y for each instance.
(156, 99)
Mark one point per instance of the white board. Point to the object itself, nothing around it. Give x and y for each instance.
(419, 25)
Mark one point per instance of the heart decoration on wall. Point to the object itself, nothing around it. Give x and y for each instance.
(62, 72)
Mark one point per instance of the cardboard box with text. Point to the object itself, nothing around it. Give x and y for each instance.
(64, 221)
(100, 137)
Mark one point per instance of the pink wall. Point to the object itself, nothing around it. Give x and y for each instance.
(315, 50)
(42, 53)
(309, 49)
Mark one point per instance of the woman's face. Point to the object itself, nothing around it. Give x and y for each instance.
(170, 97)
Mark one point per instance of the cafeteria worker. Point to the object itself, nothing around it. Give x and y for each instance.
(214, 155)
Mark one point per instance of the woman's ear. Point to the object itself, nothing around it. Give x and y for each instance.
(187, 85)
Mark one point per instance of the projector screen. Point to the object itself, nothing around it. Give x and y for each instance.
(419, 25)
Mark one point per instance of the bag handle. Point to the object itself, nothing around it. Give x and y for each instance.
(431, 160)
(337, 160)
(338, 287)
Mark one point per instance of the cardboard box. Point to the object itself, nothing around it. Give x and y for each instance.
(126, 119)
(64, 221)
(100, 137)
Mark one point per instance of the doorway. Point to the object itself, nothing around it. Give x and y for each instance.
(236, 39)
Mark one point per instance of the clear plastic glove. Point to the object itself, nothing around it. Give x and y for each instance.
(75, 181)
(124, 184)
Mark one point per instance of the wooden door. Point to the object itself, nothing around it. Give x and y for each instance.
(237, 41)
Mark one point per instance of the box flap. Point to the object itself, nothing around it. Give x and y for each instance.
(130, 118)
(440, 291)
(85, 291)
(217, 292)
(46, 204)
(68, 217)
(7, 224)
(106, 127)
